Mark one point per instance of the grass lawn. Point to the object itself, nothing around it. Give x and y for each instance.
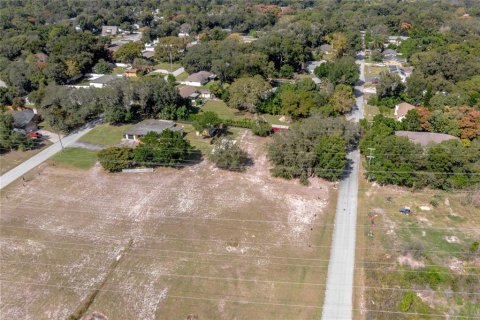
(222, 110)
(106, 134)
(182, 76)
(167, 66)
(46, 126)
(274, 119)
(373, 71)
(13, 158)
(118, 70)
(75, 157)
(197, 141)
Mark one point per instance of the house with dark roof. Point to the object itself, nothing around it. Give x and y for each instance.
(102, 81)
(389, 55)
(425, 138)
(26, 120)
(109, 31)
(150, 125)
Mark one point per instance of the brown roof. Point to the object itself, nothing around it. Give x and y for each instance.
(402, 109)
(187, 91)
(200, 76)
(424, 138)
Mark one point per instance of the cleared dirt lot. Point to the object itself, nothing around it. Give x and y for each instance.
(418, 266)
(178, 242)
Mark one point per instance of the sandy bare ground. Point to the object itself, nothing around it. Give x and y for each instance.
(164, 245)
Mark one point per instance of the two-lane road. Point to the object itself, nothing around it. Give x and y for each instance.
(42, 156)
(339, 289)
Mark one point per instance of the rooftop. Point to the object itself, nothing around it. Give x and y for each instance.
(22, 118)
(106, 78)
(146, 126)
(425, 138)
(187, 91)
(200, 76)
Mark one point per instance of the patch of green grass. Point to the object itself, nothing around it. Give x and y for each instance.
(167, 66)
(274, 119)
(118, 70)
(75, 157)
(182, 76)
(46, 126)
(222, 110)
(198, 142)
(106, 134)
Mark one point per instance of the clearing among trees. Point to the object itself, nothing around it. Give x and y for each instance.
(196, 241)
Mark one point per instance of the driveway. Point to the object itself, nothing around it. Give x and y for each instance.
(40, 157)
(339, 289)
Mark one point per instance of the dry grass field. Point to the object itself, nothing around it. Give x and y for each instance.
(195, 241)
(419, 266)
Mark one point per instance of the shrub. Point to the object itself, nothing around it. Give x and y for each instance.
(407, 301)
(434, 203)
(262, 128)
(229, 156)
(115, 159)
(474, 246)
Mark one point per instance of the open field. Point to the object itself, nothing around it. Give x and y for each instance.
(225, 112)
(165, 245)
(426, 258)
(13, 158)
(373, 71)
(106, 134)
(74, 158)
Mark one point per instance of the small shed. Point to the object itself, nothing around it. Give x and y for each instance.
(146, 126)
(109, 31)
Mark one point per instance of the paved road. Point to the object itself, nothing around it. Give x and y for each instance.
(40, 157)
(339, 290)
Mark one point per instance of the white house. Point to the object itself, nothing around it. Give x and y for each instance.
(402, 109)
(199, 79)
(311, 65)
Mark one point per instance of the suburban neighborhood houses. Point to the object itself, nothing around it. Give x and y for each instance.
(239, 159)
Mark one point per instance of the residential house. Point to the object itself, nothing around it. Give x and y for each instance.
(148, 54)
(396, 40)
(199, 79)
(326, 48)
(311, 65)
(184, 30)
(150, 125)
(190, 93)
(103, 80)
(110, 31)
(402, 109)
(389, 55)
(425, 138)
(206, 94)
(26, 120)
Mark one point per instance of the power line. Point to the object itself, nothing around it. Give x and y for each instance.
(201, 253)
(222, 299)
(234, 220)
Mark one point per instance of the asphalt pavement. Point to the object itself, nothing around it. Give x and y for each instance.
(339, 289)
